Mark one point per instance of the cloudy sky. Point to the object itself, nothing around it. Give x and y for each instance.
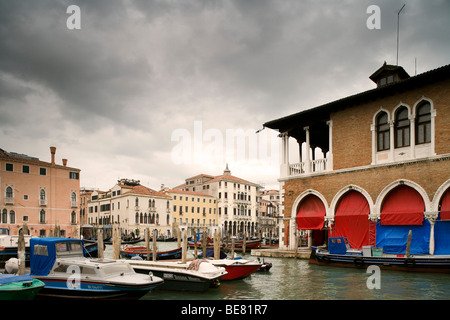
(150, 90)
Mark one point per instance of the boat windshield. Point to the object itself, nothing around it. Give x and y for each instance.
(116, 268)
(72, 248)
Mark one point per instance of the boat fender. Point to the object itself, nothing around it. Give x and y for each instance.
(358, 262)
(410, 262)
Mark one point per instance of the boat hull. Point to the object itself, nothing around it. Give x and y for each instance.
(142, 252)
(250, 244)
(179, 281)
(59, 289)
(22, 290)
(437, 264)
(7, 253)
(236, 269)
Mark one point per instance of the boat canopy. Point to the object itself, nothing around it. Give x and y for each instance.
(311, 214)
(403, 206)
(44, 251)
(338, 245)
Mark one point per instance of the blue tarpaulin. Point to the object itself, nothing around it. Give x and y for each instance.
(442, 237)
(43, 253)
(393, 239)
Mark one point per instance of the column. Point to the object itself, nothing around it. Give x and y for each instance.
(307, 153)
(391, 139)
(431, 217)
(284, 168)
(330, 148)
(374, 143)
(433, 116)
(412, 136)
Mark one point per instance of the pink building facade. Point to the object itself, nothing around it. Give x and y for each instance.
(42, 195)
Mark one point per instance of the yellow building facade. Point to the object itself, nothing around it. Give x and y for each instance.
(193, 210)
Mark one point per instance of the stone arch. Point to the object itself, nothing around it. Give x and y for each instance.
(305, 193)
(334, 203)
(382, 196)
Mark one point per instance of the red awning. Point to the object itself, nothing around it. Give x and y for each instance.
(311, 214)
(352, 219)
(445, 206)
(403, 206)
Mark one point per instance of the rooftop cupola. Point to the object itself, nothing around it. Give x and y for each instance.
(388, 74)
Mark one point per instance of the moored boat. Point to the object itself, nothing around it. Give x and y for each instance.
(237, 269)
(197, 275)
(340, 254)
(239, 244)
(61, 264)
(9, 244)
(129, 252)
(14, 287)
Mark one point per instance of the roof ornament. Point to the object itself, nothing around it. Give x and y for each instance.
(227, 171)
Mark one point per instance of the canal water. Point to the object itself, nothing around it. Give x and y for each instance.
(296, 279)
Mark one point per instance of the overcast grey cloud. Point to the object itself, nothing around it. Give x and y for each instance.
(110, 95)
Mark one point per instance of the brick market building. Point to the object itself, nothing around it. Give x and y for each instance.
(41, 194)
(371, 166)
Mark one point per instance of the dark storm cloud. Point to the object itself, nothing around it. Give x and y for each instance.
(139, 69)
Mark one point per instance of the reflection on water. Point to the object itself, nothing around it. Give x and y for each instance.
(291, 279)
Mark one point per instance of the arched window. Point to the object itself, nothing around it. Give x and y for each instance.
(9, 192)
(423, 123)
(4, 216)
(73, 217)
(42, 194)
(42, 216)
(12, 217)
(136, 201)
(402, 128)
(136, 218)
(382, 132)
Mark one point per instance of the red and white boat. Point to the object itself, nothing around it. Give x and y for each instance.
(237, 269)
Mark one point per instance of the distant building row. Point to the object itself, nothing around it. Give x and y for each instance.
(44, 195)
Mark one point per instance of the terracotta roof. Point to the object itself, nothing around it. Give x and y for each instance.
(142, 190)
(201, 175)
(230, 177)
(190, 192)
(23, 158)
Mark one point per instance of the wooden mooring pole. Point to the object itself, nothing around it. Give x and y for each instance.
(155, 249)
(147, 243)
(101, 253)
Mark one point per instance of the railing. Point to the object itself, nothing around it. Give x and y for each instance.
(314, 166)
(42, 202)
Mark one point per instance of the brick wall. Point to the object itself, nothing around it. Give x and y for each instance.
(352, 137)
(430, 175)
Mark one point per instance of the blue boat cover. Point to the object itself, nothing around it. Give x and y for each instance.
(10, 278)
(442, 237)
(393, 239)
(43, 253)
(338, 245)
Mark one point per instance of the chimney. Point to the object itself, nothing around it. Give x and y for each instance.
(53, 151)
(64, 162)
